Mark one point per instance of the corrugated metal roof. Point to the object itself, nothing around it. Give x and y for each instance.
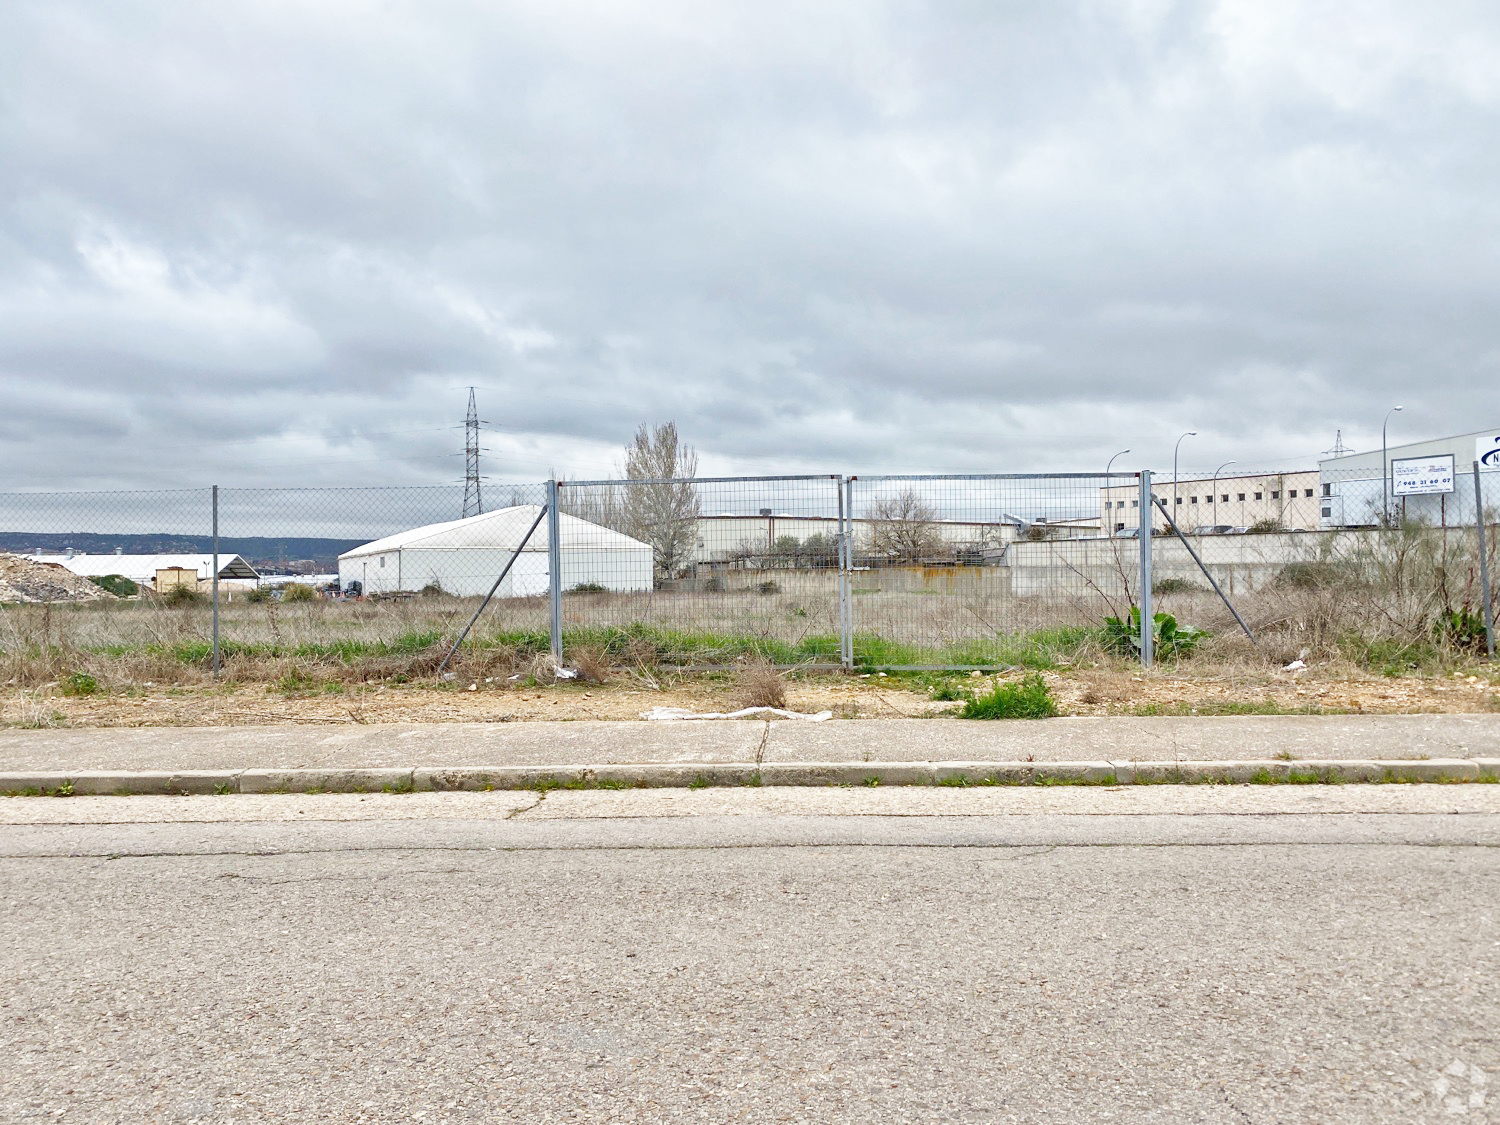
(143, 568)
(501, 529)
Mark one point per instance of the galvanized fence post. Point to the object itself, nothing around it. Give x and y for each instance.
(847, 564)
(554, 572)
(846, 640)
(1484, 565)
(216, 579)
(1148, 521)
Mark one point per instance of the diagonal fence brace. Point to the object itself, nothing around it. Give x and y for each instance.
(1222, 597)
(521, 546)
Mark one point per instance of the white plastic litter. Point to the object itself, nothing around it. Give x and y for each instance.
(1295, 666)
(665, 713)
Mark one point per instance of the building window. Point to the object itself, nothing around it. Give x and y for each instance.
(1328, 490)
(1179, 499)
(1195, 499)
(1119, 527)
(1135, 503)
(1242, 497)
(382, 560)
(1119, 503)
(1258, 496)
(1327, 512)
(1275, 496)
(1225, 498)
(1307, 492)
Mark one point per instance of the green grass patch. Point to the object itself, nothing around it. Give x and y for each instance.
(1045, 648)
(1236, 707)
(1027, 698)
(80, 683)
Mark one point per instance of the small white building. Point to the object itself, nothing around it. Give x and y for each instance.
(465, 556)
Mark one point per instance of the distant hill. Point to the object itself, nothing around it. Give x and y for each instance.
(256, 550)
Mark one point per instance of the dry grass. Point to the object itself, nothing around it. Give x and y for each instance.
(759, 684)
(591, 662)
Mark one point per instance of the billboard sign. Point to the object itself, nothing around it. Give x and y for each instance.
(1422, 476)
(1487, 451)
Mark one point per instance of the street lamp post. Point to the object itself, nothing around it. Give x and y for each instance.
(1217, 471)
(1385, 472)
(1107, 490)
(1175, 448)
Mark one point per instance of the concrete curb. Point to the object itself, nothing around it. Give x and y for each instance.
(428, 779)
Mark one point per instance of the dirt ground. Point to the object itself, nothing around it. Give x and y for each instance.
(1082, 691)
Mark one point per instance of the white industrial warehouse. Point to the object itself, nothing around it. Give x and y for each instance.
(464, 557)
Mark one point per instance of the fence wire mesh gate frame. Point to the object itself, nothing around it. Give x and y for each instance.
(817, 571)
(971, 571)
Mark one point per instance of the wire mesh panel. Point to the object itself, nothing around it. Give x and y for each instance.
(381, 569)
(973, 571)
(703, 571)
(103, 535)
(74, 569)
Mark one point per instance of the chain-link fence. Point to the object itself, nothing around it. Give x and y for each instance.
(705, 571)
(972, 571)
(875, 571)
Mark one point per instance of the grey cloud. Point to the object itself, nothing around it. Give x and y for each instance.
(854, 236)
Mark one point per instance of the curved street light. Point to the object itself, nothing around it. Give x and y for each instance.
(1107, 466)
(1385, 472)
(1175, 448)
(1217, 471)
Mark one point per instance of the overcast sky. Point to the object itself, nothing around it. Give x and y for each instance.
(274, 243)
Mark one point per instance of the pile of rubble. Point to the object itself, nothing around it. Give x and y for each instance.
(22, 580)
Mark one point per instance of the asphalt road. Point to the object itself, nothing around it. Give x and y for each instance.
(846, 957)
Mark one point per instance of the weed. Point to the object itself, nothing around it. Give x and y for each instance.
(761, 685)
(1107, 779)
(1027, 698)
(184, 596)
(1285, 755)
(947, 691)
(80, 683)
(872, 780)
(64, 790)
(613, 783)
(702, 781)
(1174, 586)
(300, 592)
(752, 780)
(223, 789)
(402, 786)
(955, 781)
(1168, 637)
(545, 785)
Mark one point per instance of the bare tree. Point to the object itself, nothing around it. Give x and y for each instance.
(663, 511)
(902, 528)
(601, 504)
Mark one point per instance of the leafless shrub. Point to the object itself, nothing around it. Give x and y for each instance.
(591, 664)
(759, 684)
